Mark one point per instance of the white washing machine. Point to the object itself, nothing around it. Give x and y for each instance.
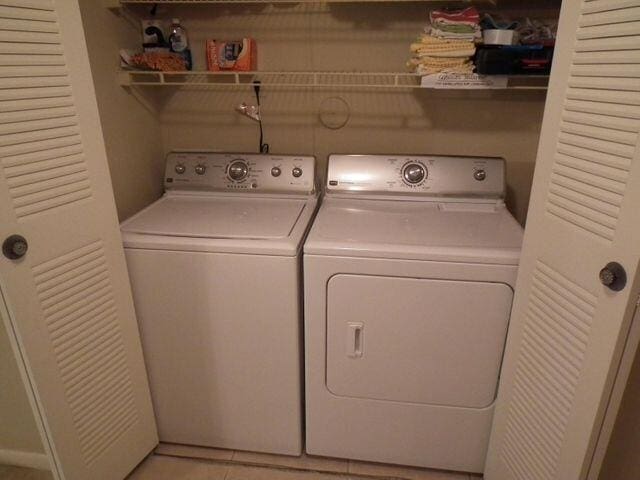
(215, 267)
(409, 272)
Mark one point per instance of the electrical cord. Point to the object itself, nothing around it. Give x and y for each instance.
(262, 147)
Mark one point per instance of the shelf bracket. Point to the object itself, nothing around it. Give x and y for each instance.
(112, 4)
(124, 78)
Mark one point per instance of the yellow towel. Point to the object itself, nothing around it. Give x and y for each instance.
(438, 47)
(434, 41)
(427, 70)
(429, 65)
(452, 53)
(439, 62)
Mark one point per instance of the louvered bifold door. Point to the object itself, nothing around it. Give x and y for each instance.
(567, 327)
(69, 298)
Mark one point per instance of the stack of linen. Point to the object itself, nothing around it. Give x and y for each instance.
(460, 25)
(448, 43)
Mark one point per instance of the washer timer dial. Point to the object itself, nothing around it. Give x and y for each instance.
(238, 170)
(414, 173)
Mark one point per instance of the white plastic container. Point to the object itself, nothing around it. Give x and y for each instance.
(500, 37)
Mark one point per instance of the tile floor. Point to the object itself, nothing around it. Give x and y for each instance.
(17, 473)
(175, 462)
(181, 462)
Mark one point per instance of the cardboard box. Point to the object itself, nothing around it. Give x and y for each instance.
(232, 55)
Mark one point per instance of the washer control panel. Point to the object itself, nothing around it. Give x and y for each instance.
(417, 174)
(240, 172)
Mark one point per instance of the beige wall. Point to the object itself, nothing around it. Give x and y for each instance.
(131, 130)
(356, 37)
(380, 122)
(18, 431)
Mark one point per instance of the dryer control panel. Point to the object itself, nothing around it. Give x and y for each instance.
(250, 172)
(426, 175)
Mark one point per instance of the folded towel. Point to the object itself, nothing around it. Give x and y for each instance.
(448, 43)
(435, 32)
(463, 24)
(467, 15)
(436, 47)
(439, 63)
(428, 70)
(427, 41)
(458, 28)
(455, 53)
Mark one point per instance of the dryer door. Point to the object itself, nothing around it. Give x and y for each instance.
(415, 340)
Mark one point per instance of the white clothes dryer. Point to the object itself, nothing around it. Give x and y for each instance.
(409, 271)
(215, 267)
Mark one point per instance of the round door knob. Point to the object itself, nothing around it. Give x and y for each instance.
(296, 172)
(414, 173)
(180, 169)
(200, 169)
(238, 170)
(480, 175)
(14, 247)
(613, 276)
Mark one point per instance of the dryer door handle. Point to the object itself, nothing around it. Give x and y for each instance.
(355, 339)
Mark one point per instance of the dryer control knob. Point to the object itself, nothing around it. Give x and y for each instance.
(414, 173)
(180, 169)
(200, 169)
(296, 172)
(238, 170)
(480, 175)
(275, 171)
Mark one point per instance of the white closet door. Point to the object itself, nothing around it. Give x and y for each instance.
(69, 300)
(567, 329)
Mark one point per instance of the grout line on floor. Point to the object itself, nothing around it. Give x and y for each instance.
(232, 462)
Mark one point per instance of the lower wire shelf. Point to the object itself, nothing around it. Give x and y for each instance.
(388, 80)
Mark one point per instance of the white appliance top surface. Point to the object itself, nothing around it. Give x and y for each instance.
(218, 216)
(448, 231)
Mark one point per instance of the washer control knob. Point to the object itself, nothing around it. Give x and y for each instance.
(275, 171)
(414, 173)
(238, 170)
(200, 169)
(296, 172)
(180, 169)
(480, 175)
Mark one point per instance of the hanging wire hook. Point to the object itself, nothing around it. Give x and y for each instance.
(262, 147)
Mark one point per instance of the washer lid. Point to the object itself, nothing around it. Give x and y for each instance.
(424, 230)
(211, 216)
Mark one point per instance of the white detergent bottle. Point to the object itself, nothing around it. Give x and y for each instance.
(179, 41)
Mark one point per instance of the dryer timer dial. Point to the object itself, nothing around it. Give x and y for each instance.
(414, 173)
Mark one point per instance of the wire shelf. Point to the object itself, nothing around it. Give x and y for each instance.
(387, 80)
